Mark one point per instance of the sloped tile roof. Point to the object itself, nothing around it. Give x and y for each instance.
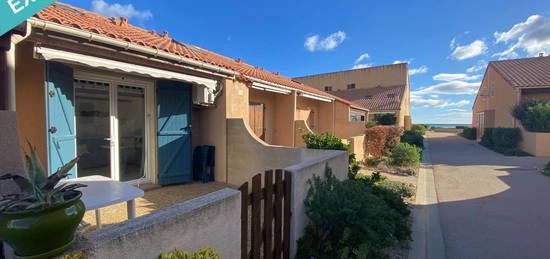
(377, 99)
(525, 72)
(119, 28)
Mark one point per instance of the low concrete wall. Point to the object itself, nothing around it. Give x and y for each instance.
(248, 155)
(210, 220)
(301, 173)
(357, 146)
(535, 143)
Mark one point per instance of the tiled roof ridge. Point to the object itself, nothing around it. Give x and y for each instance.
(524, 72)
(71, 16)
(354, 70)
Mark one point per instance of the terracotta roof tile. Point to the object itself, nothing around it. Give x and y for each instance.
(119, 28)
(377, 99)
(525, 72)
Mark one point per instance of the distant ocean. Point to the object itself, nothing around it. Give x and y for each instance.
(447, 125)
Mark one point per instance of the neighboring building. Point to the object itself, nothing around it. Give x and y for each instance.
(133, 104)
(506, 83)
(382, 89)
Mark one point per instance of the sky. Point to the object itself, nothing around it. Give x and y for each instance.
(446, 43)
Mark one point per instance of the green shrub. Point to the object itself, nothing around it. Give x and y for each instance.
(534, 114)
(420, 129)
(385, 119)
(204, 253)
(469, 133)
(329, 141)
(503, 140)
(405, 154)
(324, 141)
(462, 127)
(406, 190)
(371, 124)
(546, 170)
(351, 219)
(413, 138)
(393, 138)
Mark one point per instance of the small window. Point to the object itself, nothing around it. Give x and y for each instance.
(351, 86)
(391, 95)
(328, 88)
(368, 97)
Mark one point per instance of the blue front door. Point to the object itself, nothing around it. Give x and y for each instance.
(60, 116)
(174, 132)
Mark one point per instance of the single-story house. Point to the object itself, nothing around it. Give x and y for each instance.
(133, 104)
(505, 84)
(381, 89)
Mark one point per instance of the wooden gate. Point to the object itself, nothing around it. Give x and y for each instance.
(268, 209)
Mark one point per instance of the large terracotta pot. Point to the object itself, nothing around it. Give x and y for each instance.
(42, 234)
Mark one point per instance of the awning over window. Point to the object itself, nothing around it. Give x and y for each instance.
(204, 94)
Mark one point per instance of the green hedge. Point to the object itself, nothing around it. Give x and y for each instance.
(204, 253)
(469, 133)
(413, 138)
(503, 140)
(329, 141)
(385, 119)
(420, 129)
(533, 114)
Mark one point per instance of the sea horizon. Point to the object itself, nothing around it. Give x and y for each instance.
(447, 125)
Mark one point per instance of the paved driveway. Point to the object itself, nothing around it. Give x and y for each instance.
(490, 206)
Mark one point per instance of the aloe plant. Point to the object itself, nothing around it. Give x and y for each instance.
(38, 191)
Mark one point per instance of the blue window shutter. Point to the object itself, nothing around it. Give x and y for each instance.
(60, 116)
(174, 132)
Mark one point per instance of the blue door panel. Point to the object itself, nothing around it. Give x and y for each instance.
(60, 116)
(174, 132)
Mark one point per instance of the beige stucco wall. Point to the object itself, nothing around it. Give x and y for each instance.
(344, 128)
(306, 108)
(211, 220)
(535, 143)
(248, 155)
(388, 75)
(301, 174)
(326, 117)
(495, 94)
(30, 100)
(357, 146)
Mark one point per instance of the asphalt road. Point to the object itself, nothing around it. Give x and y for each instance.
(490, 205)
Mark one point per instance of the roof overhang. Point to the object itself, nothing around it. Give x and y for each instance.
(204, 94)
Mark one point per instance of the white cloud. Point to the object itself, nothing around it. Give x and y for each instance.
(453, 77)
(476, 48)
(402, 61)
(532, 36)
(475, 69)
(417, 101)
(118, 10)
(457, 110)
(365, 56)
(315, 43)
(454, 116)
(420, 70)
(452, 45)
(451, 87)
(365, 65)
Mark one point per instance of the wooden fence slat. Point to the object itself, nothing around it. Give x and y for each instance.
(268, 215)
(244, 220)
(279, 189)
(256, 216)
(286, 231)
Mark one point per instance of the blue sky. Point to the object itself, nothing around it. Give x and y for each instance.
(448, 43)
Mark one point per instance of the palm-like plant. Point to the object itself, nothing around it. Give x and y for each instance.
(39, 191)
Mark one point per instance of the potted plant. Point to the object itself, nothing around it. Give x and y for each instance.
(40, 220)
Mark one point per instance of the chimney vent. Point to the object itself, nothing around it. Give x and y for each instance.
(541, 55)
